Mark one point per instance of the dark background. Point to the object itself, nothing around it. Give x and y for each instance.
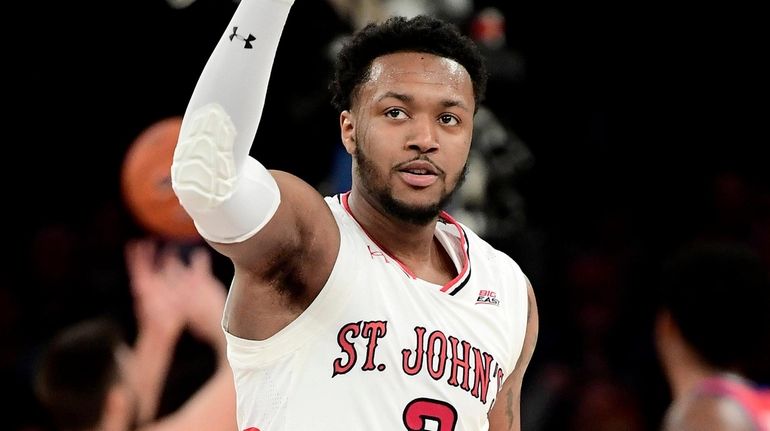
(644, 121)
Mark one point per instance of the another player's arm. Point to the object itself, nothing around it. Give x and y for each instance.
(505, 415)
(213, 406)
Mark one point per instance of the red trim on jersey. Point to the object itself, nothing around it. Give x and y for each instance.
(409, 272)
(466, 260)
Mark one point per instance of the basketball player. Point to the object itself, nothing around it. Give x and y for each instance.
(713, 336)
(89, 378)
(372, 309)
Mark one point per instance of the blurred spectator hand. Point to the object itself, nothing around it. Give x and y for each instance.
(204, 298)
(156, 288)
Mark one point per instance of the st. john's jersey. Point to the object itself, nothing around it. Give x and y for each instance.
(380, 349)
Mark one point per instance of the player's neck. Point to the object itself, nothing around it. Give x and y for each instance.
(406, 241)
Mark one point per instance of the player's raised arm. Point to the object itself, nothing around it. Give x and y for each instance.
(230, 195)
(268, 223)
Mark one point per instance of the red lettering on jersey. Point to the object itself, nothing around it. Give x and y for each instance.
(373, 331)
(434, 351)
(406, 353)
(470, 368)
(499, 373)
(481, 381)
(352, 329)
(458, 362)
(436, 361)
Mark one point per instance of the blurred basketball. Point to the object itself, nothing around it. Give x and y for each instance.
(146, 183)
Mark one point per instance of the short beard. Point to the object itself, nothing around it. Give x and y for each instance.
(412, 214)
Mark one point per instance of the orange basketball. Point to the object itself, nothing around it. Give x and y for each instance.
(146, 183)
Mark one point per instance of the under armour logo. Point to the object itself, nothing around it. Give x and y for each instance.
(245, 40)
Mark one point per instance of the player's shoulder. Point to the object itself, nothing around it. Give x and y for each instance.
(334, 201)
(336, 204)
(481, 245)
(479, 248)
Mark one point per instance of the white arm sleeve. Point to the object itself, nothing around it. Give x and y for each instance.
(228, 194)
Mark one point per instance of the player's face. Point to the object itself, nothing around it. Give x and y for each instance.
(410, 132)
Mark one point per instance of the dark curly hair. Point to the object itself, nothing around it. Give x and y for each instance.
(398, 34)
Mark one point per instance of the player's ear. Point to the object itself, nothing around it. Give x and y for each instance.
(348, 131)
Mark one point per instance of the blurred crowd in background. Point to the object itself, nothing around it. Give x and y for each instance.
(608, 139)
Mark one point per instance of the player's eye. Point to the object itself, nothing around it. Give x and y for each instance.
(396, 113)
(448, 119)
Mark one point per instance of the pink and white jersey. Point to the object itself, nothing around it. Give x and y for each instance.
(752, 399)
(380, 349)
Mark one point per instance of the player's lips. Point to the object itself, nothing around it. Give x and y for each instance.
(419, 173)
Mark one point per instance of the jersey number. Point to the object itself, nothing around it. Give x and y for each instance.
(421, 411)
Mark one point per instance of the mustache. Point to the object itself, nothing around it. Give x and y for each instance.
(421, 158)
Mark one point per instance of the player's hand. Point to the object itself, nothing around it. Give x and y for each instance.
(155, 285)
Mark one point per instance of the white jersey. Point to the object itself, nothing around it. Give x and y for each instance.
(380, 349)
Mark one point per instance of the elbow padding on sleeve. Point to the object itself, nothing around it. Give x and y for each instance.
(229, 200)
